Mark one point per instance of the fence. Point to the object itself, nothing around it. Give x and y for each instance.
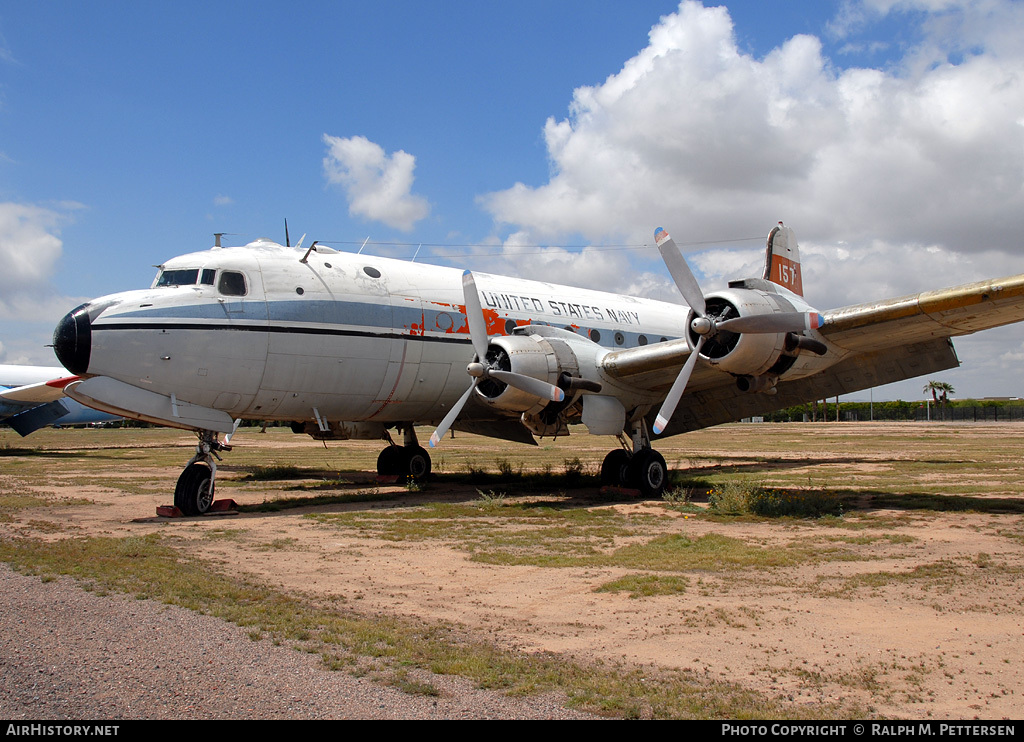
(902, 411)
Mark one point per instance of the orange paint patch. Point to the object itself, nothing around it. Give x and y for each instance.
(787, 273)
(495, 323)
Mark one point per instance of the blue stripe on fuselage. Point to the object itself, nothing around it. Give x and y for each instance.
(329, 317)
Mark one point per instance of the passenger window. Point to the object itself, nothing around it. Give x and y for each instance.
(208, 274)
(231, 283)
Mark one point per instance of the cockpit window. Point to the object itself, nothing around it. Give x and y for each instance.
(208, 274)
(182, 277)
(231, 283)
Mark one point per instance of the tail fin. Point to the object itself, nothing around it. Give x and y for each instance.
(782, 260)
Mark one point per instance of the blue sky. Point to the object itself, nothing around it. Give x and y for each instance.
(888, 134)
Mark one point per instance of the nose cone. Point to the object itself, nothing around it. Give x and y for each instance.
(72, 340)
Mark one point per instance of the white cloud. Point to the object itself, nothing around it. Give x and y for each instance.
(221, 200)
(378, 186)
(592, 267)
(836, 275)
(29, 249)
(691, 131)
(30, 305)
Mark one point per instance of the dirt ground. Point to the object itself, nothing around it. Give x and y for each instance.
(926, 621)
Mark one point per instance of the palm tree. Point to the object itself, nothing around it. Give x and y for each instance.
(940, 393)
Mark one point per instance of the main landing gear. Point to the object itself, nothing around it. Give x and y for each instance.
(636, 466)
(410, 460)
(193, 495)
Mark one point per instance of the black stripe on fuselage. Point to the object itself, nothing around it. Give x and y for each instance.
(278, 329)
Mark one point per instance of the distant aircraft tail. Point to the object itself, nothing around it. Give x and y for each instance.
(782, 260)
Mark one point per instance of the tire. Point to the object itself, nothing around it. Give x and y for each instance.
(390, 462)
(416, 462)
(648, 473)
(193, 495)
(613, 470)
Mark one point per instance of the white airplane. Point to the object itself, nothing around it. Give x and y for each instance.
(32, 397)
(351, 346)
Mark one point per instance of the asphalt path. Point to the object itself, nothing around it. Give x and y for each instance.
(67, 654)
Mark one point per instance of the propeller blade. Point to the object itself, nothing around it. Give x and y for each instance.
(528, 384)
(668, 407)
(475, 316)
(453, 413)
(680, 270)
(769, 323)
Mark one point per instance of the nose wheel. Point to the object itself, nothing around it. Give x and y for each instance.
(193, 494)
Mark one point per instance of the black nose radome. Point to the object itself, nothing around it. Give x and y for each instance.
(72, 340)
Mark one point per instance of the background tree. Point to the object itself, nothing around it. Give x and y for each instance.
(940, 393)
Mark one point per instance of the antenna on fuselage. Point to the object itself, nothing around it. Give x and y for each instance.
(311, 248)
(416, 253)
(287, 242)
(216, 238)
(360, 250)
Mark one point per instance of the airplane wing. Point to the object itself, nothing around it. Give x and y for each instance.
(880, 342)
(40, 393)
(28, 407)
(960, 310)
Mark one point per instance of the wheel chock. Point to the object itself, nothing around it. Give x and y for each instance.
(217, 507)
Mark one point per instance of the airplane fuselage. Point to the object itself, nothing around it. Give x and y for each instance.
(257, 333)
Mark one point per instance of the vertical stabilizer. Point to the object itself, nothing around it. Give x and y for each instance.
(782, 260)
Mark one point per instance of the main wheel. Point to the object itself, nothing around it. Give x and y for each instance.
(193, 495)
(613, 470)
(417, 462)
(648, 472)
(391, 461)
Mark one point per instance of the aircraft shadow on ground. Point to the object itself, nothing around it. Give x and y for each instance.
(322, 488)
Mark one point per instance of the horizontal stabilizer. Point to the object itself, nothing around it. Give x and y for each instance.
(109, 395)
(35, 418)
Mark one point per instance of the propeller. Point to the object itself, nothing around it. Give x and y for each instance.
(481, 369)
(706, 327)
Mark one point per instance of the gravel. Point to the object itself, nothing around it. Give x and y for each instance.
(66, 653)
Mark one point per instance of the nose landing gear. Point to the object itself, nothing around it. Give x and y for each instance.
(193, 495)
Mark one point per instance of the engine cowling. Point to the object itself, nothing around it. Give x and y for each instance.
(746, 354)
(527, 355)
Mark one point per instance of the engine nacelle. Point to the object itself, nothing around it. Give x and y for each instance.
(529, 355)
(748, 354)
